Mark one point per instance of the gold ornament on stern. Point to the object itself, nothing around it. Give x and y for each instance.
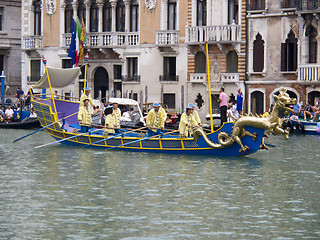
(271, 123)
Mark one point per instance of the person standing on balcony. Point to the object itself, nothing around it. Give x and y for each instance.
(223, 100)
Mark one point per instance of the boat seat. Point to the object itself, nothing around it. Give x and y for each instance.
(77, 126)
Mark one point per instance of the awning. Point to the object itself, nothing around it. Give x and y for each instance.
(58, 77)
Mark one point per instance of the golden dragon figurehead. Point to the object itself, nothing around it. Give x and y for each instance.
(283, 100)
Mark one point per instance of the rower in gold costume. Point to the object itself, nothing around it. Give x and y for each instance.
(187, 122)
(84, 116)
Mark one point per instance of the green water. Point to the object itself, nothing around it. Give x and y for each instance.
(61, 192)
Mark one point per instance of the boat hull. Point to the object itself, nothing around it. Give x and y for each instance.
(134, 142)
(306, 127)
(30, 124)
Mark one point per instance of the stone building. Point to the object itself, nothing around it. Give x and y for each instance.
(283, 51)
(10, 44)
(148, 50)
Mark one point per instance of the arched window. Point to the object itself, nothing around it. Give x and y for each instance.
(257, 102)
(289, 53)
(201, 12)
(81, 11)
(232, 62)
(68, 15)
(94, 16)
(37, 17)
(120, 16)
(311, 33)
(200, 63)
(101, 82)
(314, 97)
(258, 54)
(107, 16)
(134, 16)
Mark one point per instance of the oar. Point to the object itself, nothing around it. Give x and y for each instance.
(143, 139)
(270, 145)
(18, 139)
(61, 140)
(105, 139)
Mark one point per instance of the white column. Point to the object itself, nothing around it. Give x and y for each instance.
(88, 4)
(100, 17)
(113, 18)
(127, 15)
(164, 13)
(75, 8)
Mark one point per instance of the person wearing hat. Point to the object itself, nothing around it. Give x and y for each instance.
(86, 95)
(116, 114)
(109, 121)
(155, 121)
(84, 116)
(187, 121)
(195, 114)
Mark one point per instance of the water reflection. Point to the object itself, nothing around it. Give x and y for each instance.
(64, 192)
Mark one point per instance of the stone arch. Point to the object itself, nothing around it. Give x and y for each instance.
(101, 81)
(293, 93)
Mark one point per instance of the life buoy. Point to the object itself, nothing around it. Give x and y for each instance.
(288, 124)
(300, 128)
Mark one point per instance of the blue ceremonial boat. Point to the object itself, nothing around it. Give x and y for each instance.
(59, 119)
(67, 131)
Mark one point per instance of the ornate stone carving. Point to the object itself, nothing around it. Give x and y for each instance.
(150, 4)
(51, 6)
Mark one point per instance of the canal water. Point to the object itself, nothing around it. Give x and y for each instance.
(61, 192)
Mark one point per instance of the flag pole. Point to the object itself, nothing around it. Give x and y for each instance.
(86, 58)
(209, 87)
(44, 60)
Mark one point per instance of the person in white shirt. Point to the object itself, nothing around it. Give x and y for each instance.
(232, 112)
(32, 114)
(9, 114)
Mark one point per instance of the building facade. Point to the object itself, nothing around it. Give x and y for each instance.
(148, 50)
(283, 51)
(10, 44)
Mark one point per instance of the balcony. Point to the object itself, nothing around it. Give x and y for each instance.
(170, 78)
(32, 42)
(198, 77)
(309, 73)
(128, 78)
(167, 37)
(308, 5)
(106, 39)
(213, 34)
(230, 77)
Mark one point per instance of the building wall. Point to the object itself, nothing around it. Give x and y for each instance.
(10, 44)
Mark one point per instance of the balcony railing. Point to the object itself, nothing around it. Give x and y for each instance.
(213, 34)
(167, 37)
(198, 77)
(128, 78)
(309, 72)
(106, 39)
(308, 5)
(230, 77)
(32, 42)
(171, 78)
(66, 39)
